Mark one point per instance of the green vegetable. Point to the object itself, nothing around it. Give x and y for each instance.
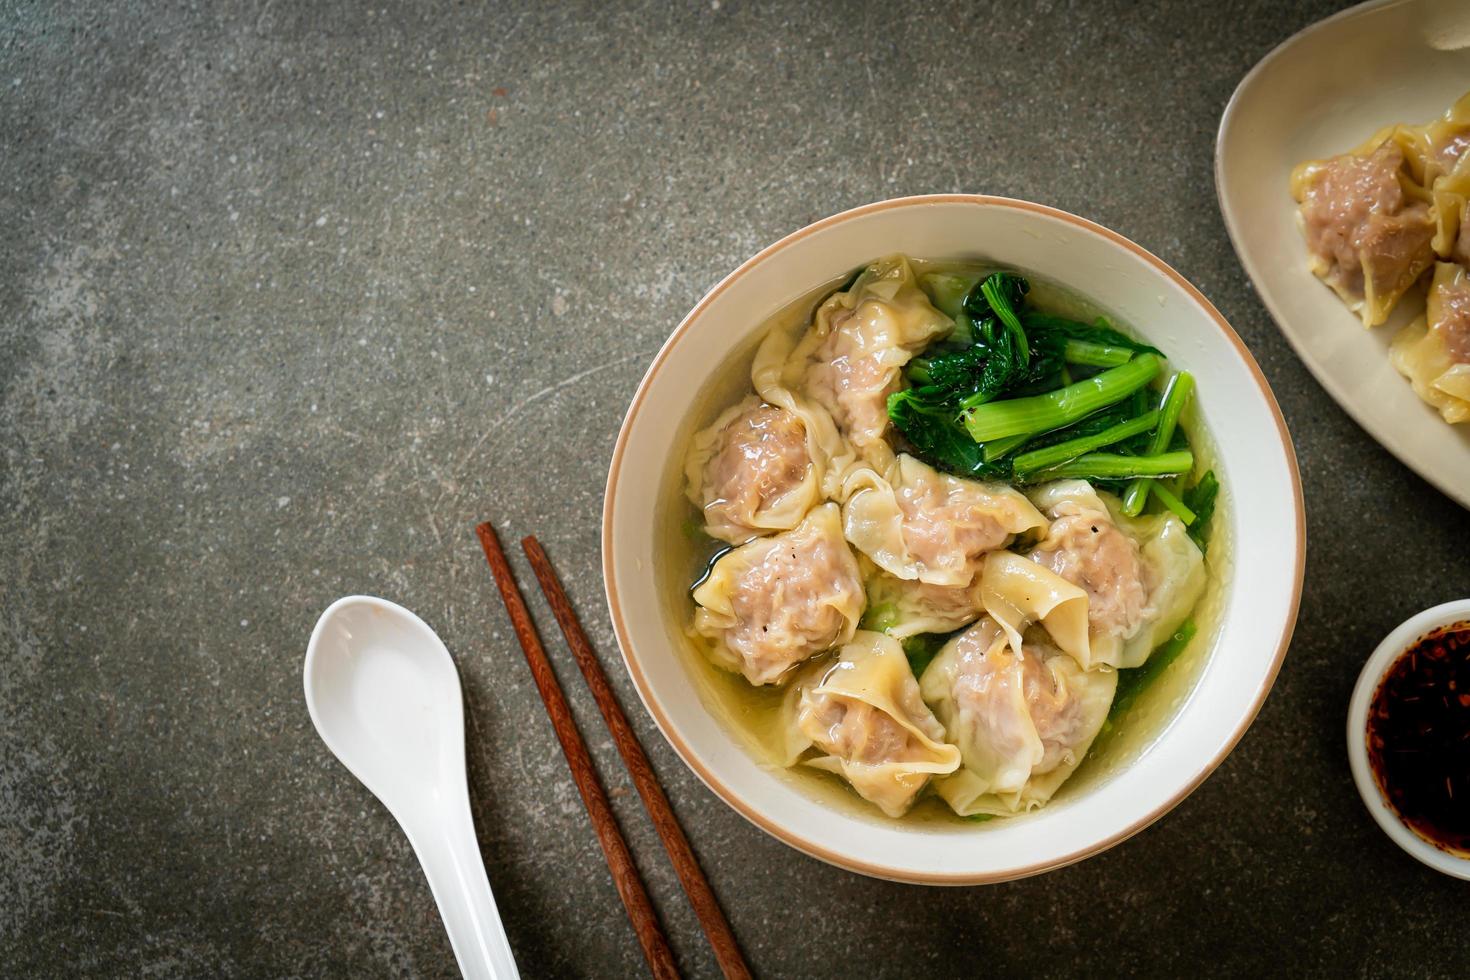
(1176, 396)
(880, 617)
(1200, 498)
(1001, 447)
(1115, 414)
(1173, 503)
(1003, 387)
(922, 649)
(1000, 360)
(1089, 354)
(1132, 682)
(1098, 332)
(998, 291)
(1039, 459)
(933, 427)
(1042, 413)
(964, 333)
(1006, 287)
(1115, 466)
(955, 373)
(947, 291)
(980, 817)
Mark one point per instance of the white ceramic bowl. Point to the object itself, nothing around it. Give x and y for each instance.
(1388, 651)
(1258, 470)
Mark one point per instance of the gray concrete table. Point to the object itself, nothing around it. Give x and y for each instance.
(292, 294)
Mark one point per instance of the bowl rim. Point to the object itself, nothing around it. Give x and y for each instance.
(1383, 657)
(814, 848)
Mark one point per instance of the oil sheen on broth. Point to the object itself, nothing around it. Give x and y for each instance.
(753, 714)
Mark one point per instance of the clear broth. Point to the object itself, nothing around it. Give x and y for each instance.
(753, 714)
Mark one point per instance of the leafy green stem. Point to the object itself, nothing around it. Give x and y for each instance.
(1042, 413)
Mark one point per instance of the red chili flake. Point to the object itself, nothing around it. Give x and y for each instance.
(1418, 736)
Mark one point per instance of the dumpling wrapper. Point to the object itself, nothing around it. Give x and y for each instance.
(918, 523)
(1139, 577)
(1368, 221)
(1451, 194)
(907, 607)
(1023, 719)
(1438, 147)
(1433, 352)
(1016, 592)
(867, 720)
(838, 374)
(1375, 217)
(751, 471)
(771, 603)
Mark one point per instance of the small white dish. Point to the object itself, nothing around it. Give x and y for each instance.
(1388, 651)
(1263, 520)
(1322, 92)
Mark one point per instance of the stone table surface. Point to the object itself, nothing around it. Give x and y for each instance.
(291, 294)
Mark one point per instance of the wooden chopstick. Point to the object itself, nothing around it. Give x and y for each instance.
(686, 865)
(614, 847)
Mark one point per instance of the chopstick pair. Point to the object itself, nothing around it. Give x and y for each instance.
(614, 847)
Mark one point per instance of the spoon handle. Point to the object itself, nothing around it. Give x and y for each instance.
(450, 855)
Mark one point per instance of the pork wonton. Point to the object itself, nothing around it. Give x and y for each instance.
(773, 602)
(866, 719)
(1023, 719)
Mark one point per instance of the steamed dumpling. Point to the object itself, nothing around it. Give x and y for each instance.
(907, 607)
(773, 602)
(866, 719)
(862, 338)
(926, 525)
(1141, 575)
(1433, 352)
(839, 373)
(1368, 223)
(1017, 593)
(1085, 547)
(1438, 147)
(1023, 720)
(1452, 214)
(751, 472)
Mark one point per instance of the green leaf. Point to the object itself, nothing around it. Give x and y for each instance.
(1201, 498)
(1132, 682)
(922, 649)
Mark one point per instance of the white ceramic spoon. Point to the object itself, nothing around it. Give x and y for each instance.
(384, 695)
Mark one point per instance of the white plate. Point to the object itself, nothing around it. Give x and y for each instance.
(1320, 93)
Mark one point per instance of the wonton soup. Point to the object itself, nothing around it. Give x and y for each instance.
(943, 543)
